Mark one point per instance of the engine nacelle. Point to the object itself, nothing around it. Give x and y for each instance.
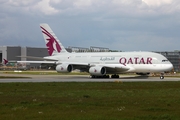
(64, 68)
(97, 70)
(142, 73)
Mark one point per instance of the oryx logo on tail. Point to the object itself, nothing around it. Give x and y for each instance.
(52, 44)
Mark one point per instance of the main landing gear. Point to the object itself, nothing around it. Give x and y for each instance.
(114, 76)
(105, 76)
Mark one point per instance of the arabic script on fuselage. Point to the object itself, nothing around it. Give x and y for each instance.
(107, 58)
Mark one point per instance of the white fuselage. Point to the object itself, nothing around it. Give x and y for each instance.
(135, 61)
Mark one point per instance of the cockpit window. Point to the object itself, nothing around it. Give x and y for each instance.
(165, 60)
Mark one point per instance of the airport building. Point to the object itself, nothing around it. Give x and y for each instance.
(13, 53)
(17, 53)
(174, 58)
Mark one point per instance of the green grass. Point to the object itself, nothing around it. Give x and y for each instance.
(79, 101)
(12, 77)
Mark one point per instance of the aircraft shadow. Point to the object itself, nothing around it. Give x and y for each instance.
(135, 77)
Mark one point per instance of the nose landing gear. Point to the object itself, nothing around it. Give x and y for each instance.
(162, 76)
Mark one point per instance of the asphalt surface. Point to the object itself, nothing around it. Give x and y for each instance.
(79, 78)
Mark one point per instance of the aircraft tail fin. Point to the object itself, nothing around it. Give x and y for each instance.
(5, 61)
(53, 45)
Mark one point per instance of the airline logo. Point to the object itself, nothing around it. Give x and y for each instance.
(5, 61)
(62, 68)
(52, 43)
(135, 60)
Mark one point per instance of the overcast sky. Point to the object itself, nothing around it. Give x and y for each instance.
(127, 25)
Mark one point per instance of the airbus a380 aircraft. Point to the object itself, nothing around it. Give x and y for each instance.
(101, 64)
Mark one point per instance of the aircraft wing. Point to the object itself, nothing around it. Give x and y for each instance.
(114, 68)
(47, 62)
(55, 62)
(38, 58)
(111, 68)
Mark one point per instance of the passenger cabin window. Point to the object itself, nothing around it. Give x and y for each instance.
(165, 60)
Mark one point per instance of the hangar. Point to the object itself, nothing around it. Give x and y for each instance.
(10, 53)
(13, 53)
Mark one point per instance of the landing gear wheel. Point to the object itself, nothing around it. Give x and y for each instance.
(107, 76)
(114, 76)
(161, 77)
(93, 76)
(104, 76)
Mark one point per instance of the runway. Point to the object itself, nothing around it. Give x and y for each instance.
(81, 78)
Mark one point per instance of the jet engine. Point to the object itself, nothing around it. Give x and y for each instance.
(97, 70)
(64, 68)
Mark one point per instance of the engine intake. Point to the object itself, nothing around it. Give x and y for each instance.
(97, 70)
(64, 68)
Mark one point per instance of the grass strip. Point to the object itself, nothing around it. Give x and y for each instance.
(87, 101)
(12, 77)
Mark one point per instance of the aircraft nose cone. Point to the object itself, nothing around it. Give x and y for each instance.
(170, 67)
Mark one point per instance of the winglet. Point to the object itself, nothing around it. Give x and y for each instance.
(52, 43)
